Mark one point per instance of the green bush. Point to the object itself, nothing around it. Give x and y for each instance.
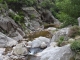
(47, 4)
(32, 16)
(74, 31)
(75, 46)
(60, 40)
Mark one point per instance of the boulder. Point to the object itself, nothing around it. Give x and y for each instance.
(6, 41)
(19, 49)
(62, 32)
(38, 41)
(9, 25)
(43, 45)
(56, 53)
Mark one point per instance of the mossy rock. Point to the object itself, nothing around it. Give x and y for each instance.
(38, 34)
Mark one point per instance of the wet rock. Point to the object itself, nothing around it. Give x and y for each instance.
(56, 53)
(6, 41)
(19, 49)
(38, 41)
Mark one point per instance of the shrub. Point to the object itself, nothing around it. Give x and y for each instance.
(75, 30)
(75, 46)
(60, 40)
(47, 4)
(32, 16)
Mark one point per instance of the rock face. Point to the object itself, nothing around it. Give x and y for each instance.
(56, 53)
(32, 18)
(6, 41)
(38, 42)
(8, 24)
(61, 32)
(49, 18)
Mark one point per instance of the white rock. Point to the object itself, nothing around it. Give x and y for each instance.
(2, 50)
(71, 40)
(29, 43)
(51, 29)
(43, 45)
(54, 44)
(19, 49)
(38, 41)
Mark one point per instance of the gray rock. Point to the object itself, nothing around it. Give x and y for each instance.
(56, 53)
(62, 32)
(6, 41)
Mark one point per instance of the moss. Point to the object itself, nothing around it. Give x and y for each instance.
(38, 34)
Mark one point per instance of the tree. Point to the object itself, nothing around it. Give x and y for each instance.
(69, 11)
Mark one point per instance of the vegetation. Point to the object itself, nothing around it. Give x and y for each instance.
(75, 46)
(60, 40)
(75, 30)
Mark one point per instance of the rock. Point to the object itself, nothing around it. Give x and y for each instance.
(51, 29)
(79, 21)
(33, 21)
(29, 43)
(38, 41)
(62, 32)
(16, 35)
(54, 44)
(6, 23)
(19, 49)
(77, 37)
(56, 53)
(9, 25)
(71, 40)
(43, 45)
(49, 18)
(6, 41)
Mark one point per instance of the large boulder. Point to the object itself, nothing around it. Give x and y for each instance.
(62, 32)
(39, 42)
(6, 41)
(56, 53)
(9, 25)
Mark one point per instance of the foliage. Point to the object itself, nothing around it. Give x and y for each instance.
(32, 16)
(68, 11)
(60, 40)
(75, 46)
(17, 18)
(47, 4)
(75, 30)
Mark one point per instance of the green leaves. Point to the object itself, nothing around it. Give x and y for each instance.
(75, 46)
